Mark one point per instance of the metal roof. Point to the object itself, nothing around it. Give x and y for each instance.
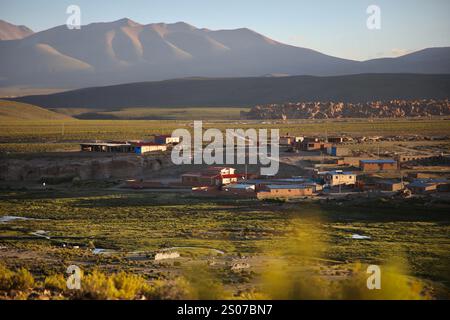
(388, 182)
(378, 161)
(240, 186)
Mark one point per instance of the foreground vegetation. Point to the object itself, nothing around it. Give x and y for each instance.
(291, 248)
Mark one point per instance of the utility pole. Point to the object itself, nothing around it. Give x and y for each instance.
(62, 129)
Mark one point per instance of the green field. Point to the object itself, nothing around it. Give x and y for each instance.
(130, 224)
(40, 136)
(201, 113)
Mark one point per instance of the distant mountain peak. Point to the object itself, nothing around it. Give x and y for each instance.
(126, 22)
(9, 31)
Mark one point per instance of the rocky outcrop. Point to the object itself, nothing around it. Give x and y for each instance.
(83, 168)
(336, 110)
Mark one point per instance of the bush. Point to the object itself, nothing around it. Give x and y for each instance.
(55, 282)
(99, 286)
(6, 278)
(128, 286)
(23, 280)
(19, 280)
(178, 289)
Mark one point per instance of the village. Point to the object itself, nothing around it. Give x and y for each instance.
(327, 167)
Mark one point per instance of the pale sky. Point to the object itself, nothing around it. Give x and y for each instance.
(334, 27)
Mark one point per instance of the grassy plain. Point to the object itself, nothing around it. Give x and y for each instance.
(42, 136)
(201, 113)
(132, 225)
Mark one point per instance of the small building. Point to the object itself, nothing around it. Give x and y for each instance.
(421, 186)
(145, 147)
(166, 255)
(240, 187)
(338, 178)
(212, 176)
(406, 158)
(286, 141)
(335, 139)
(285, 192)
(226, 179)
(110, 147)
(336, 151)
(389, 185)
(316, 146)
(165, 139)
(378, 165)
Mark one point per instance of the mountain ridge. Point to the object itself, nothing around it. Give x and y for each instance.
(123, 51)
(249, 91)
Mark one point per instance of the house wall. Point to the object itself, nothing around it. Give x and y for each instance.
(390, 187)
(147, 149)
(340, 179)
(406, 158)
(378, 166)
(285, 193)
(338, 151)
(166, 255)
(227, 180)
(423, 189)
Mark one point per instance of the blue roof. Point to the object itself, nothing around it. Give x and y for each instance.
(378, 161)
(420, 184)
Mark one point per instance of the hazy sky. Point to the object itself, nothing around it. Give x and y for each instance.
(335, 27)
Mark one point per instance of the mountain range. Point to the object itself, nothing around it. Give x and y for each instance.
(124, 51)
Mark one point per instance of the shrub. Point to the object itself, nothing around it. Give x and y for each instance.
(178, 289)
(19, 280)
(23, 280)
(6, 278)
(99, 286)
(128, 286)
(55, 282)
